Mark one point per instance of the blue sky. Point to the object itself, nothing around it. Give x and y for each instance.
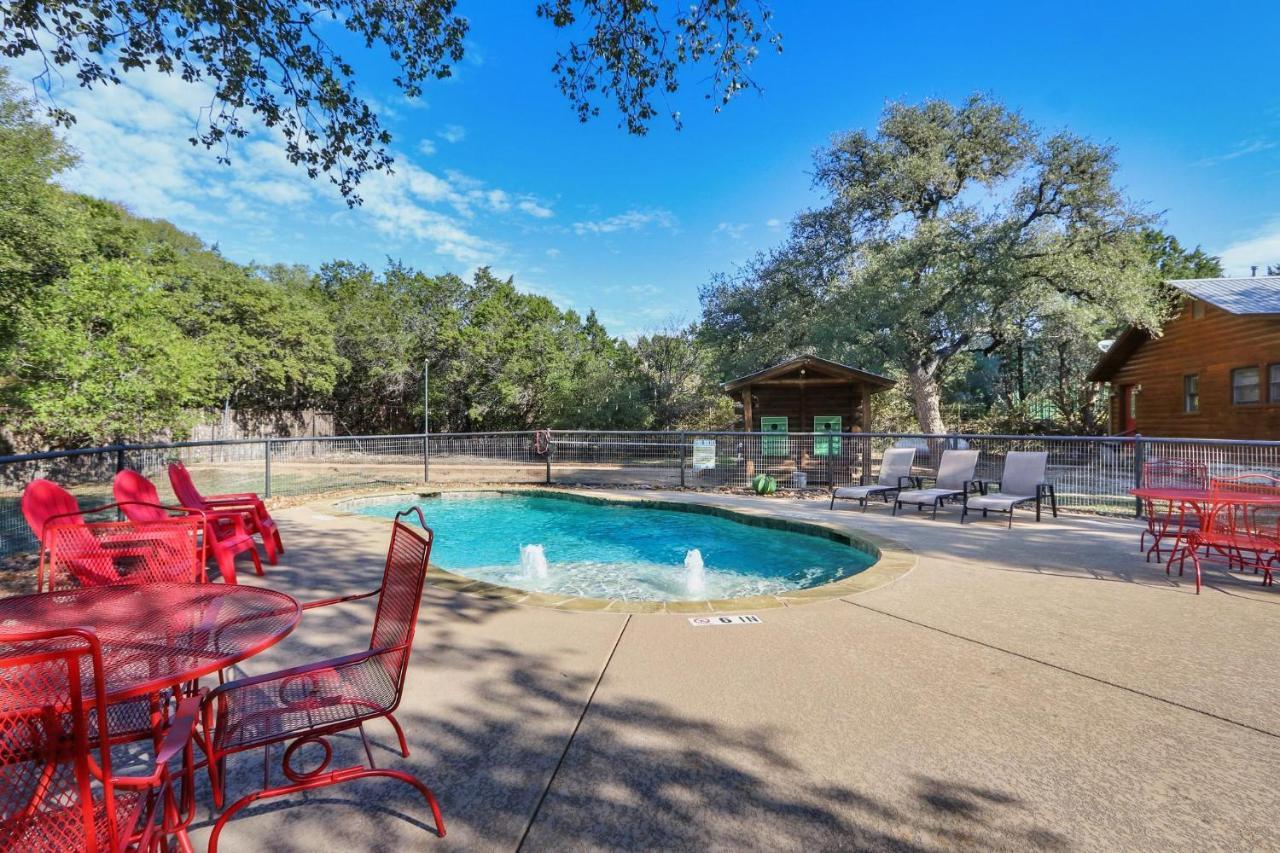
(494, 168)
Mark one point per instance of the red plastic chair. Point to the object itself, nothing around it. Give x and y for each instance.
(257, 519)
(57, 788)
(225, 534)
(307, 704)
(74, 552)
(43, 500)
(1167, 520)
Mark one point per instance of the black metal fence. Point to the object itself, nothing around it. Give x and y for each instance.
(1091, 473)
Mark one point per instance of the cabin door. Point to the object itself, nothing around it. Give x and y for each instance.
(1128, 408)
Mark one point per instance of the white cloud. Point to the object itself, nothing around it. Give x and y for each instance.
(133, 144)
(732, 230)
(1261, 249)
(632, 220)
(553, 253)
(1242, 149)
(427, 147)
(453, 133)
(774, 223)
(534, 209)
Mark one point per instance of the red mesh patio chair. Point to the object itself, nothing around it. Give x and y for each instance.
(1166, 519)
(257, 519)
(113, 552)
(75, 552)
(306, 704)
(1246, 533)
(225, 534)
(57, 789)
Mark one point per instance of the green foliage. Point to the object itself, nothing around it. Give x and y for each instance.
(763, 484)
(101, 358)
(269, 61)
(678, 382)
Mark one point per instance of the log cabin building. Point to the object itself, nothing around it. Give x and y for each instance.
(1212, 372)
(804, 395)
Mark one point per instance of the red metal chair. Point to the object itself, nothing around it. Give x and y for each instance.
(225, 534)
(57, 789)
(257, 519)
(75, 552)
(1167, 520)
(306, 704)
(1245, 531)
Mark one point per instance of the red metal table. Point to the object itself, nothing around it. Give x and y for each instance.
(1208, 506)
(155, 636)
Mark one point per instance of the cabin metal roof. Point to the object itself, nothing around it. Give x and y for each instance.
(820, 365)
(1256, 295)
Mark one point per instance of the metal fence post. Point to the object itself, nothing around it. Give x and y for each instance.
(267, 457)
(1139, 461)
(684, 441)
(547, 456)
(426, 459)
(119, 459)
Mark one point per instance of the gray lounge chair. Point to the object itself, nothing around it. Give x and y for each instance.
(955, 478)
(895, 474)
(1022, 482)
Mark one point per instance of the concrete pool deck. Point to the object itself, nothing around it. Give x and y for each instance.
(1040, 688)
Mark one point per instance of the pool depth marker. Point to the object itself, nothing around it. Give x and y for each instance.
(703, 621)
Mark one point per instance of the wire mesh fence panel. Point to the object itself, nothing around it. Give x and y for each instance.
(87, 476)
(303, 466)
(614, 458)
(1090, 473)
(491, 457)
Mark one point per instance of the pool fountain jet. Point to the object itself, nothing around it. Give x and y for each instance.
(533, 561)
(695, 581)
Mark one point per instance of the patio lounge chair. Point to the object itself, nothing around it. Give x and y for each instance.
(955, 478)
(895, 474)
(1022, 482)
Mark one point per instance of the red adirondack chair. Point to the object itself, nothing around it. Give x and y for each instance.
(257, 519)
(225, 534)
(74, 552)
(307, 704)
(57, 787)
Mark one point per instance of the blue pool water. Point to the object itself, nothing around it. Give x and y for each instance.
(618, 551)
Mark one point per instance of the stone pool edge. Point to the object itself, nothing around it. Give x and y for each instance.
(893, 558)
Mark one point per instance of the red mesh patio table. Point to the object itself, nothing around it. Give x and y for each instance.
(155, 636)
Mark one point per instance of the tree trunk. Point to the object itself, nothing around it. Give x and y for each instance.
(928, 398)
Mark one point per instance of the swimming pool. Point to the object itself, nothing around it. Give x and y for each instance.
(600, 549)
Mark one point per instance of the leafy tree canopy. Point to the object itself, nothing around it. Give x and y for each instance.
(269, 60)
(953, 228)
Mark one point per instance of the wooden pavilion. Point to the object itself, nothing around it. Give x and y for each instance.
(805, 395)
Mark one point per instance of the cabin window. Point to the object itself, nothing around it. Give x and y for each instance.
(1191, 393)
(1197, 309)
(1273, 383)
(1245, 388)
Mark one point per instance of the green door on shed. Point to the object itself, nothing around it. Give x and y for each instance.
(775, 441)
(822, 445)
